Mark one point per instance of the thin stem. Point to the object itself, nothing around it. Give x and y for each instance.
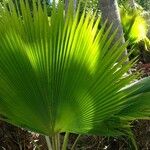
(64, 146)
(53, 143)
(48, 143)
(57, 141)
(74, 144)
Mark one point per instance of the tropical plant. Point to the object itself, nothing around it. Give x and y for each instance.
(60, 74)
(135, 24)
(145, 4)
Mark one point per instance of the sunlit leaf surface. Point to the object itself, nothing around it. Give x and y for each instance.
(60, 73)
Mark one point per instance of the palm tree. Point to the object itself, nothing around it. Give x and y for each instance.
(67, 4)
(110, 12)
(59, 74)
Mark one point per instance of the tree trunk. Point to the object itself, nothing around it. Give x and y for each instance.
(67, 3)
(110, 12)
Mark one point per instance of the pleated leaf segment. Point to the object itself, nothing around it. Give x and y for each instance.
(59, 73)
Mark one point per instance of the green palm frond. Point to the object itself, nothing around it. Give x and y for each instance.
(59, 73)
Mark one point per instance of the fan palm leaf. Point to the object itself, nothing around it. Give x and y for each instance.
(59, 73)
